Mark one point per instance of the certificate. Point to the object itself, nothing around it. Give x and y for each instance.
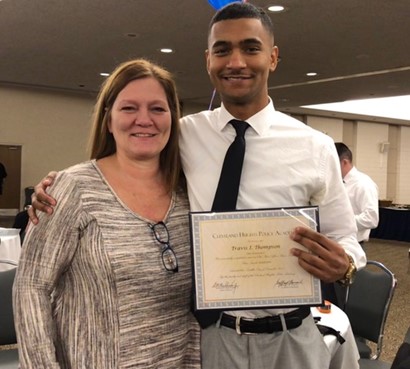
(242, 260)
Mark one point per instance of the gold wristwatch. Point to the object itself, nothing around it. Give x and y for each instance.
(348, 278)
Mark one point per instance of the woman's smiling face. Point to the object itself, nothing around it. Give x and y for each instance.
(141, 119)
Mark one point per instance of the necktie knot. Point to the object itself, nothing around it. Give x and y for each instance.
(240, 127)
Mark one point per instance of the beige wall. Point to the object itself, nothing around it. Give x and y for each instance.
(53, 128)
(402, 195)
(392, 167)
(368, 157)
(333, 127)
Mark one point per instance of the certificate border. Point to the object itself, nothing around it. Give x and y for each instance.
(311, 213)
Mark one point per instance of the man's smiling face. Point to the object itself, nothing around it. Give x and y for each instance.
(240, 57)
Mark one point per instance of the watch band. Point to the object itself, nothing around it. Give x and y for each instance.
(348, 278)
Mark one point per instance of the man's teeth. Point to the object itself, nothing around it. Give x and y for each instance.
(235, 78)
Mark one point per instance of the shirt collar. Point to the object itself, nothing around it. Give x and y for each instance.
(352, 172)
(260, 122)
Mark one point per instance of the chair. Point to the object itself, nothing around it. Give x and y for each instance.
(367, 305)
(8, 358)
(401, 359)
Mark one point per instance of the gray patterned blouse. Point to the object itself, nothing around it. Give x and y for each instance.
(91, 290)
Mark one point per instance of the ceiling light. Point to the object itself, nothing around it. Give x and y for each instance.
(276, 8)
(166, 51)
(311, 74)
(104, 74)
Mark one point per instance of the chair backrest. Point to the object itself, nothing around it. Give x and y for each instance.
(7, 332)
(368, 302)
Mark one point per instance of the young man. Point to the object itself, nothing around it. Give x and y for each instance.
(286, 164)
(363, 194)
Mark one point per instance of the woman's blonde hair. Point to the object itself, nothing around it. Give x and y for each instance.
(102, 141)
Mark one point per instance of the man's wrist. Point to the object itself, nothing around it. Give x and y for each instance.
(350, 274)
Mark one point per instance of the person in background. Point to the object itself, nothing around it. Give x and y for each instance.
(363, 194)
(21, 221)
(286, 164)
(106, 281)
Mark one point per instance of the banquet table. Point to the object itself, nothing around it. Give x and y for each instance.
(10, 247)
(346, 355)
(393, 224)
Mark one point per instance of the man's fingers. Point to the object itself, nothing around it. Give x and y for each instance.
(314, 241)
(32, 215)
(50, 177)
(37, 205)
(318, 270)
(40, 195)
(324, 258)
(40, 200)
(44, 199)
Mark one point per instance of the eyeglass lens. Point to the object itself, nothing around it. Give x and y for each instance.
(169, 259)
(161, 232)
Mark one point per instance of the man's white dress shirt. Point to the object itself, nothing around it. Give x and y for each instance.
(364, 197)
(286, 164)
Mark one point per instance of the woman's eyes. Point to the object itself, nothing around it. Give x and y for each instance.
(132, 109)
(159, 109)
(128, 108)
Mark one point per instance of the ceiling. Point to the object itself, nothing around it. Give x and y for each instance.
(359, 48)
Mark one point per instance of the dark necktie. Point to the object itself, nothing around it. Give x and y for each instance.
(226, 196)
(228, 186)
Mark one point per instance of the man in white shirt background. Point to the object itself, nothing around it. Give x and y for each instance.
(363, 194)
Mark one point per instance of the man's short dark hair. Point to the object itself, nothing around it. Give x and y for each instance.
(238, 10)
(343, 151)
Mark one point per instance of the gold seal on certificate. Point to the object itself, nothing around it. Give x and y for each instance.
(242, 260)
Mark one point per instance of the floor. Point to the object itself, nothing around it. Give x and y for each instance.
(394, 255)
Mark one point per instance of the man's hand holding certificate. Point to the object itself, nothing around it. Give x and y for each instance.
(242, 259)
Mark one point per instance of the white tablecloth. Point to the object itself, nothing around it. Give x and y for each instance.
(346, 355)
(10, 246)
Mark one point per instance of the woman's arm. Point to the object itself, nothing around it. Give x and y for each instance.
(48, 250)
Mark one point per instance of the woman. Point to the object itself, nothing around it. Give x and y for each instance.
(105, 282)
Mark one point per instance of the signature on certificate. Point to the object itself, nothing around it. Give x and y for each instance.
(231, 286)
(288, 283)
